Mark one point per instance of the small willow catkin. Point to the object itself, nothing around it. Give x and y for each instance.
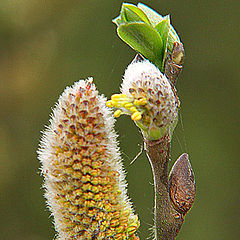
(81, 164)
(143, 80)
(147, 95)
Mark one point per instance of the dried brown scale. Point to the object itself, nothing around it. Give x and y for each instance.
(82, 185)
(174, 62)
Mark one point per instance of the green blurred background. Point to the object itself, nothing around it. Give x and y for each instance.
(47, 45)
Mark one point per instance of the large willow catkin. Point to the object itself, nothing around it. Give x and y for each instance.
(84, 179)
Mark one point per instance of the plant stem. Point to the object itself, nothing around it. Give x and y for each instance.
(168, 221)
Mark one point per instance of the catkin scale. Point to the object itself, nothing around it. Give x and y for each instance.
(82, 169)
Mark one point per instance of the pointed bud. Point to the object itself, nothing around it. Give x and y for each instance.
(84, 178)
(182, 187)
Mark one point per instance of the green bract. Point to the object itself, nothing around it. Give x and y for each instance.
(147, 32)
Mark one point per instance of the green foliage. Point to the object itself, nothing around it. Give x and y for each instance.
(144, 39)
(146, 31)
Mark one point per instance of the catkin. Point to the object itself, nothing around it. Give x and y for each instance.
(83, 174)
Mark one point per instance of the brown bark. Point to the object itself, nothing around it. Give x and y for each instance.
(168, 221)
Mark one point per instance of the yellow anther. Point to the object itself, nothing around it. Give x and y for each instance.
(143, 101)
(132, 229)
(115, 103)
(133, 109)
(109, 104)
(128, 105)
(123, 95)
(123, 103)
(126, 212)
(117, 97)
(117, 113)
(136, 102)
(136, 116)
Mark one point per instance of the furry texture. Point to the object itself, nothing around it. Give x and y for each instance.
(82, 168)
(144, 80)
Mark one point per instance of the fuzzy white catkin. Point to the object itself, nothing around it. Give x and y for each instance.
(143, 79)
(82, 168)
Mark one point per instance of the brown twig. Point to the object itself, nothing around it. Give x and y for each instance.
(168, 216)
(167, 220)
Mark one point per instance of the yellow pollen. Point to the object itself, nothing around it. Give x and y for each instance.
(116, 97)
(136, 102)
(143, 101)
(132, 229)
(140, 102)
(117, 113)
(133, 109)
(109, 104)
(136, 116)
(128, 105)
(124, 103)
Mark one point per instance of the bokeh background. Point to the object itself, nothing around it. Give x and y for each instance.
(47, 45)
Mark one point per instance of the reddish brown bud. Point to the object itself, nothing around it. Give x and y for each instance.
(174, 62)
(182, 187)
(178, 53)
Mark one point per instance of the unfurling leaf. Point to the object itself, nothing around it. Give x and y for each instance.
(147, 32)
(163, 29)
(144, 39)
